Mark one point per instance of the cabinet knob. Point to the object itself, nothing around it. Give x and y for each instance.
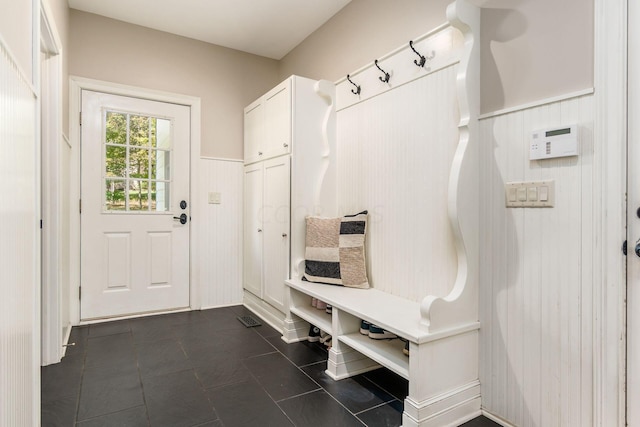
(259, 153)
(285, 145)
(284, 234)
(259, 230)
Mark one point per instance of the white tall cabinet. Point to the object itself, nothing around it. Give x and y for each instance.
(289, 146)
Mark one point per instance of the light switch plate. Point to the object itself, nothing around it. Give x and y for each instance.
(215, 198)
(531, 194)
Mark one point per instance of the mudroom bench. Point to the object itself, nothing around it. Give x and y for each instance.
(442, 365)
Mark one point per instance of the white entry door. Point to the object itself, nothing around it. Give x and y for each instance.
(135, 206)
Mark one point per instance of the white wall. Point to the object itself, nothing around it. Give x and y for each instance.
(531, 49)
(16, 26)
(536, 283)
(226, 80)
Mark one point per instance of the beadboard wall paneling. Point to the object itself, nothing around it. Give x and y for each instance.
(19, 248)
(536, 279)
(394, 157)
(219, 235)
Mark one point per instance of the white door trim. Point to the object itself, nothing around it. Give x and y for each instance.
(51, 133)
(609, 211)
(76, 85)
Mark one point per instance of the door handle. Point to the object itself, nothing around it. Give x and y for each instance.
(182, 218)
(638, 249)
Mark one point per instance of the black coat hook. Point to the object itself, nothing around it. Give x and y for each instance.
(355, 91)
(386, 75)
(422, 57)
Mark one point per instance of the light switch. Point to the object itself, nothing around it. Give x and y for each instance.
(544, 193)
(530, 194)
(522, 194)
(215, 198)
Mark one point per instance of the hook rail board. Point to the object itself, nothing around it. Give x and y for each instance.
(440, 48)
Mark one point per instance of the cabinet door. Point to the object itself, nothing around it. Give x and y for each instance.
(253, 232)
(277, 207)
(277, 116)
(254, 132)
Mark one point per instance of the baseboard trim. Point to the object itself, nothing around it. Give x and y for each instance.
(264, 311)
(496, 419)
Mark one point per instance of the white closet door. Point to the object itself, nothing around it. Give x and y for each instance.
(253, 233)
(277, 114)
(253, 131)
(276, 213)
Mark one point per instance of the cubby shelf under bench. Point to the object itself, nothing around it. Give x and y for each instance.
(437, 360)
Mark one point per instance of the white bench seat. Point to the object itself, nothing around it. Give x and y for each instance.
(436, 359)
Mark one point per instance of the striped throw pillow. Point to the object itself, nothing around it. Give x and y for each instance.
(335, 250)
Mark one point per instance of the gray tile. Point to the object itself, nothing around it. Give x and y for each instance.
(95, 376)
(301, 353)
(216, 423)
(239, 343)
(221, 371)
(480, 422)
(387, 415)
(61, 379)
(267, 331)
(109, 350)
(134, 417)
(177, 399)
(246, 404)
(318, 409)
(187, 317)
(60, 412)
(279, 377)
(114, 393)
(161, 357)
(390, 382)
(109, 328)
(149, 329)
(357, 393)
(202, 329)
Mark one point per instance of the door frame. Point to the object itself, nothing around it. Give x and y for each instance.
(76, 86)
(609, 212)
(51, 214)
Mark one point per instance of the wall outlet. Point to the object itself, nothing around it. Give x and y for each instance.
(215, 198)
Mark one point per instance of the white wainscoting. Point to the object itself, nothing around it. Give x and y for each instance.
(536, 274)
(19, 248)
(394, 158)
(219, 233)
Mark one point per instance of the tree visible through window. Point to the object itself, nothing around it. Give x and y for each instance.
(137, 162)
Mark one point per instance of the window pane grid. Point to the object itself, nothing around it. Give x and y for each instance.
(137, 163)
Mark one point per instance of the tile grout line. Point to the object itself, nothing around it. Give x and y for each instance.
(144, 395)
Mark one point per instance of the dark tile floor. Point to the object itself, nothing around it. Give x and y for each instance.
(205, 368)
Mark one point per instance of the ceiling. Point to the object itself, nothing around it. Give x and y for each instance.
(270, 28)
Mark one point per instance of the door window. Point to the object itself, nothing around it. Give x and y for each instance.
(137, 163)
